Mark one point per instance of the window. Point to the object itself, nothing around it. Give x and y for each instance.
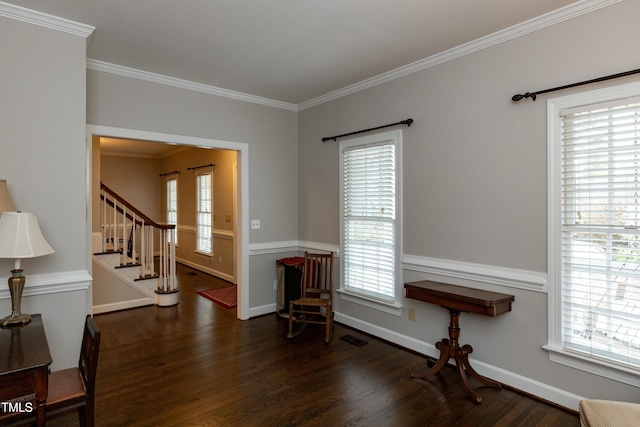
(204, 213)
(370, 213)
(172, 204)
(594, 232)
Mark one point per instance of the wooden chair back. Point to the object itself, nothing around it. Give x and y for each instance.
(74, 389)
(317, 275)
(88, 362)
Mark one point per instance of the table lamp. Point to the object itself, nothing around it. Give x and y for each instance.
(20, 237)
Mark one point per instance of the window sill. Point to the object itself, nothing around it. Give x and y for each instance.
(598, 367)
(387, 307)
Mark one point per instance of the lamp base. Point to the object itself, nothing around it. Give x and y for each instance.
(15, 319)
(16, 286)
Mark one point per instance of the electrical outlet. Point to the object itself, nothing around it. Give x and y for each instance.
(412, 314)
(275, 284)
(255, 224)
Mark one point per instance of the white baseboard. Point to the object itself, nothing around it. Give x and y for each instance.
(259, 311)
(210, 271)
(106, 308)
(527, 385)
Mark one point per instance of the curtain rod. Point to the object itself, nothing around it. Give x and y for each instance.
(169, 173)
(533, 95)
(335, 138)
(203, 166)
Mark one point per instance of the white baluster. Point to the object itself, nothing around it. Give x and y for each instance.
(125, 236)
(115, 241)
(174, 284)
(152, 264)
(103, 214)
(143, 254)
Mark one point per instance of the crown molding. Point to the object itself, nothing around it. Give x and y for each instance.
(535, 24)
(44, 20)
(552, 18)
(120, 70)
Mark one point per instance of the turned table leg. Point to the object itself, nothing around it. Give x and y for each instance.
(450, 349)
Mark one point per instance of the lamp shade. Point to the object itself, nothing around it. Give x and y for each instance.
(5, 201)
(20, 236)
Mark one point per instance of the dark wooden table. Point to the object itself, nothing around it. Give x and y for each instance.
(24, 369)
(458, 299)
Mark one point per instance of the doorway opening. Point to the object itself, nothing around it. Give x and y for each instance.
(240, 191)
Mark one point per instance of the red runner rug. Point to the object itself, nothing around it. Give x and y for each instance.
(227, 297)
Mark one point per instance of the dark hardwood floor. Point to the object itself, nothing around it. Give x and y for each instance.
(197, 365)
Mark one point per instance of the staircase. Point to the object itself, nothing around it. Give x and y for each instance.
(134, 262)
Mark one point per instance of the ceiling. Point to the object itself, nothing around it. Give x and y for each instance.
(290, 51)
(136, 148)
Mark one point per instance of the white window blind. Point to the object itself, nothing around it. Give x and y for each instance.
(172, 203)
(601, 232)
(204, 213)
(369, 220)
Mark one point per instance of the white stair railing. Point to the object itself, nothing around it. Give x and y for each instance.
(120, 220)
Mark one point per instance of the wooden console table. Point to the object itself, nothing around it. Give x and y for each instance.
(458, 299)
(24, 369)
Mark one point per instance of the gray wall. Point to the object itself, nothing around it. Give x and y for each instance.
(474, 184)
(270, 133)
(474, 175)
(43, 151)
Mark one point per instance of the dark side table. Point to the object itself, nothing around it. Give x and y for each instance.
(24, 370)
(458, 299)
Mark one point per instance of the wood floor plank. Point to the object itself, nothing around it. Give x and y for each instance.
(197, 365)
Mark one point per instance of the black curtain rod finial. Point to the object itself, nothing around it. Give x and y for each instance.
(518, 97)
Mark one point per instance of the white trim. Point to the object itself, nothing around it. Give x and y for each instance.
(266, 248)
(218, 233)
(481, 273)
(204, 269)
(274, 247)
(242, 149)
(320, 247)
(555, 17)
(393, 138)
(120, 70)
(117, 306)
(563, 14)
(588, 364)
(206, 171)
(262, 310)
(52, 283)
(514, 278)
(517, 381)
(554, 233)
(45, 20)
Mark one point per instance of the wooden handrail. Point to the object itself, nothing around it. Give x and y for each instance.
(147, 220)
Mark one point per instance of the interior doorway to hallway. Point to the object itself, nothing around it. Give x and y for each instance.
(159, 142)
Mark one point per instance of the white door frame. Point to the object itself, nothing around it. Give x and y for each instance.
(242, 224)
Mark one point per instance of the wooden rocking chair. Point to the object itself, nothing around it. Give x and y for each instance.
(315, 306)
